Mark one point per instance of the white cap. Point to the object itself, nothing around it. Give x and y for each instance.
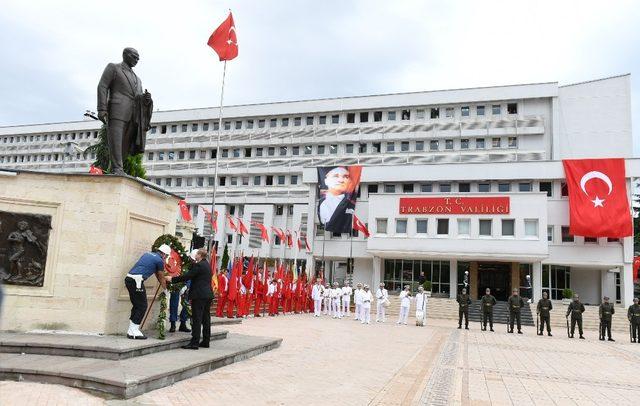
(165, 249)
(193, 253)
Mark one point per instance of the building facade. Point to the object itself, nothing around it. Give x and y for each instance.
(477, 148)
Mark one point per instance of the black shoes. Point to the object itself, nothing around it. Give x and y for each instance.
(459, 327)
(581, 337)
(190, 347)
(491, 329)
(549, 334)
(203, 345)
(183, 327)
(466, 328)
(173, 327)
(611, 339)
(519, 332)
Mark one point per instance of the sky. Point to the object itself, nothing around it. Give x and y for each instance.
(54, 52)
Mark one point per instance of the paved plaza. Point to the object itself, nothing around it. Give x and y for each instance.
(341, 362)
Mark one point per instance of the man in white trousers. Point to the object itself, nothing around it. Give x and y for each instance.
(316, 296)
(326, 297)
(346, 299)
(365, 309)
(381, 296)
(336, 295)
(357, 298)
(405, 303)
(421, 306)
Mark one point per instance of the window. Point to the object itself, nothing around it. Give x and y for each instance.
(351, 118)
(238, 125)
(200, 181)
(150, 156)
(495, 109)
(273, 122)
(269, 180)
(227, 125)
(426, 188)
(171, 155)
(448, 144)
(524, 187)
(401, 226)
(389, 188)
(364, 117)
(320, 149)
(512, 108)
(247, 152)
(333, 149)
(256, 180)
(309, 120)
(464, 227)
(550, 233)
(464, 187)
(590, 240)
(322, 120)
(547, 187)
(153, 131)
(407, 187)
(376, 147)
(391, 146)
(420, 114)
(377, 116)
(381, 226)
(259, 151)
(295, 150)
(484, 187)
(279, 210)
(564, 190)
(179, 182)
(348, 148)
(479, 143)
(161, 156)
(404, 146)
(234, 181)
(555, 279)
(236, 152)
(189, 182)
(225, 153)
(531, 227)
(308, 149)
(372, 189)
(485, 228)
(283, 151)
(167, 182)
(271, 151)
(445, 187)
(464, 111)
(609, 239)
(433, 145)
(194, 127)
(435, 112)
(464, 143)
(566, 236)
(421, 226)
(480, 110)
(448, 112)
(216, 125)
(406, 114)
(419, 145)
(294, 179)
(504, 187)
(512, 142)
(508, 227)
(281, 179)
(184, 128)
(261, 123)
(391, 116)
(496, 142)
(297, 121)
(362, 148)
(443, 226)
(335, 119)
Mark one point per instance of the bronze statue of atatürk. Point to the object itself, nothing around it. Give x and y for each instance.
(124, 108)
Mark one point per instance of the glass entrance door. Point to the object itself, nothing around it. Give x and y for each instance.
(495, 276)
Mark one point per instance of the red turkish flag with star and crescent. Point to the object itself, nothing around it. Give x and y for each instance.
(358, 225)
(184, 210)
(174, 264)
(598, 199)
(224, 40)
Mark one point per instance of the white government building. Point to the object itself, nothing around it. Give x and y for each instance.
(490, 142)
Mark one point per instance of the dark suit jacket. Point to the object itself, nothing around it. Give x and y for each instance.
(117, 91)
(200, 277)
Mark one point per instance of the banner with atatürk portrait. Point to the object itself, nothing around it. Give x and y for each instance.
(337, 190)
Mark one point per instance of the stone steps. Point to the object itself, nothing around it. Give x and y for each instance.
(160, 366)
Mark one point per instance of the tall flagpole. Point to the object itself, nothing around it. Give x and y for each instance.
(215, 172)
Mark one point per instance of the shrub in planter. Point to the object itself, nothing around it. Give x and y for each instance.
(567, 293)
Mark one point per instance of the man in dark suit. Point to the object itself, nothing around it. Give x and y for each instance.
(124, 108)
(201, 295)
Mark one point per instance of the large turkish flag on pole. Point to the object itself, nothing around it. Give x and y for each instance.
(598, 200)
(224, 40)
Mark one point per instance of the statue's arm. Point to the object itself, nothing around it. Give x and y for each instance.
(103, 87)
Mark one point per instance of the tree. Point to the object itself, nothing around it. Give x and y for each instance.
(225, 258)
(132, 165)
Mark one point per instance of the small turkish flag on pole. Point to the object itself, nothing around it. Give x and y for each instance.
(184, 210)
(598, 200)
(360, 226)
(224, 40)
(95, 170)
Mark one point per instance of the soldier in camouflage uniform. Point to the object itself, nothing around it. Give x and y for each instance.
(606, 312)
(544, 311)
(576, 309)
(487, 302)
(463, 308)
(634, 318)
(515, 303)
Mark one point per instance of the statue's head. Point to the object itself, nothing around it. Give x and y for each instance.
(130, 56)
(23, 225)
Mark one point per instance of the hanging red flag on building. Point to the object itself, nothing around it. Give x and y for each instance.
(232, 225)
(263, 231)
(213, 220)
(242, 229)
(360, 226)
(184, 210)
(95, 170)
(289, 238)
(598, 199)
(224, 40)
(279, 233)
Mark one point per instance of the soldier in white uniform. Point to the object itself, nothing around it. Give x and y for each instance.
(421, 306)
(316, 296)
(357, 298)
(326, 296)
(381, 297)
(365, 309)
(336, 295)
(405, 303)
(346, 299)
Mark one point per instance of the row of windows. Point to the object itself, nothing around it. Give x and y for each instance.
(50, 137)
(333, 149)
(258, 180)
(485, 227)
(460, 187)
(344, 118)
(44, 158)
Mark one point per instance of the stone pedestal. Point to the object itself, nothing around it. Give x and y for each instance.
(100, 225)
